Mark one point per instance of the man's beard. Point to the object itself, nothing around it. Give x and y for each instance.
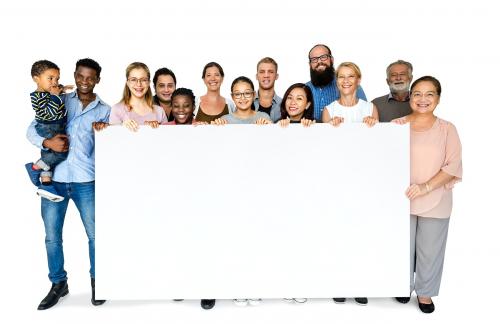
(323, 78)
(399, 88)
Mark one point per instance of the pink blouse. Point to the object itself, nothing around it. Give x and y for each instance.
(120, 113)
(431, 151)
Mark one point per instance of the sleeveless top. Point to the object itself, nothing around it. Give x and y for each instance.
(354, 114)
(201, 116)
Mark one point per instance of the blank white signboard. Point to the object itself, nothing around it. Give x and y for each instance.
(249, 211)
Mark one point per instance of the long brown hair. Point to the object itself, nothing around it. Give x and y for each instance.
(126, 91)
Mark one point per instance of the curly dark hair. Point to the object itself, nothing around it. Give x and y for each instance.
(184, 92)
(41, 66)
(91, 64)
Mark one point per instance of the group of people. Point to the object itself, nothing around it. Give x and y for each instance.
(64, 128)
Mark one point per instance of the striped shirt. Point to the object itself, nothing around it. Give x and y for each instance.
(47, 107)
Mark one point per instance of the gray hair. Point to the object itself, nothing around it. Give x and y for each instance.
(408, 65)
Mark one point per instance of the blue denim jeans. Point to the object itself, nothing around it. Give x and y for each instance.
(49, 130)
(53, 214)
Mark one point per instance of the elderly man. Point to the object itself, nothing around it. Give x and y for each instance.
(396, 104)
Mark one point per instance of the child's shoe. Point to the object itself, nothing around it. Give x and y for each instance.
(33, 174)
(254, 301)
(240, 302)
(49, 192)
(300, 300)
(296, 300)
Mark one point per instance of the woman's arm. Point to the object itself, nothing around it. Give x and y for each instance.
(325, 116)
(439, 180)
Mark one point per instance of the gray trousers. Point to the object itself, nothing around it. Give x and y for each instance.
(428, 243)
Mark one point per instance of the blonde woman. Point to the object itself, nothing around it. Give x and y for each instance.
(349, 108)
(136, 106)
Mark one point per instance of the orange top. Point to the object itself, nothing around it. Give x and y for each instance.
(435, 149)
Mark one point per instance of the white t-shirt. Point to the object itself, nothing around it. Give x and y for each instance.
(353, 114)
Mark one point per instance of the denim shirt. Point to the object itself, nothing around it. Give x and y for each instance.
(275, 108)
(79, 166)
(328, 94)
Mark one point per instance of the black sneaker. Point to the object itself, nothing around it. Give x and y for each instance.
(361, 301)
(339, 300)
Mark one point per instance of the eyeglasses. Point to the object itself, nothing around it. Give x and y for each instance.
(246, 94)
(427, 95)
(136, 81)
(321, 58)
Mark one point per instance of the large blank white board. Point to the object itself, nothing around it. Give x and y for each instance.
(242, 211)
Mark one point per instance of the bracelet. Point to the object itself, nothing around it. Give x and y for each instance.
(427, 187)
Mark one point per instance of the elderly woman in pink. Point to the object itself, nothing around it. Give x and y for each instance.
(136, 106)
(436, 165)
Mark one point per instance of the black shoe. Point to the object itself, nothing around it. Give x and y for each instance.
(95, 302)
(207, 303)
(426, 308)
(402, 300)
(339, 300)
(57, 291)
(361, 301)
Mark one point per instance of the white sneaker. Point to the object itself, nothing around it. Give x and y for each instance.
(49, 192)
(300, 300)
(255, 301)
(240, 302)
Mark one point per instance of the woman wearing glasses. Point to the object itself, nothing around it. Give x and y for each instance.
(243, 94)
(435, 166)
(212, 105)
(136, 106)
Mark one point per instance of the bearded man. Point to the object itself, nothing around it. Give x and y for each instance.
(323, 83)
(396, 104)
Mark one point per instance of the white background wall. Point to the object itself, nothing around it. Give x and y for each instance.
(454, 42)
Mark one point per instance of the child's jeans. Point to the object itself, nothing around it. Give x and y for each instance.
(49, 159)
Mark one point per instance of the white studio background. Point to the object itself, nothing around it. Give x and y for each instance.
(456, 42)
